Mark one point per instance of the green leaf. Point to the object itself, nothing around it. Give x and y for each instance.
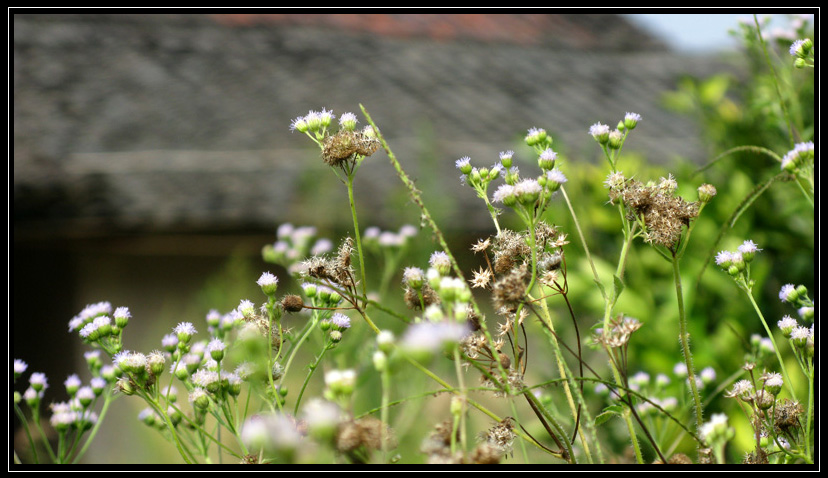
(619, 285)
(607, 413)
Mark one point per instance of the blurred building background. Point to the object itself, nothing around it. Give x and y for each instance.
(150, 148)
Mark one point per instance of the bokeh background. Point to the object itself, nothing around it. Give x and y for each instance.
(152, 156)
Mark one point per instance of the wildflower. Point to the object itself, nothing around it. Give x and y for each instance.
(631, 120)
(799, 336)
(615, 181)
(799, 155)
(801, 48)
(132, 362)
(207, 379)
(430, 337)
(413, 277)
(706, 192)
(766, 345)
(527, 191)
(600, 132)
(639, 379)
(184, 331)
(555, 178)
(38, 381)
(198, 398)
(97, 384)
(748, 250)
(216, 349)
(788, 293)
(247, 308)
(680, 370)
(63, 419)
(93, 310)
(773, 382)
(322, 245)
(348, 121)
(340, 383)
(546, 160)
(506, 158)
(464, 165)
(72, 384)
(439, 260)
(724, 259)
(32, 397)
(616, 139)
(322, 418)
(716, 429)
(299, 124)
(707, 375)
(505, 194)
(535, 136)
(268, 282)
(742, 389)
(86, 395)
(19, 367)
(806, 312)
(340, 321)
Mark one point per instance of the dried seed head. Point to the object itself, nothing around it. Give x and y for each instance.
(663, 213)
(292, 303)
(510, 248)
(412, 297)
(510, 289)
(366, 431)
(346, 145)
(786, 414)
(501, 436)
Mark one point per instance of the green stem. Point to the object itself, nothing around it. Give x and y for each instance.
(107, 401)
(25, 424)
(36, 420)
(350, 183)
(183, 451)
(385, 377)
(312, 369)
(773, 341)
(685, 343)
(314, 322)
(595, 276)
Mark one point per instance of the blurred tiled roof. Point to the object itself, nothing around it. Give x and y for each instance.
(180, 121)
